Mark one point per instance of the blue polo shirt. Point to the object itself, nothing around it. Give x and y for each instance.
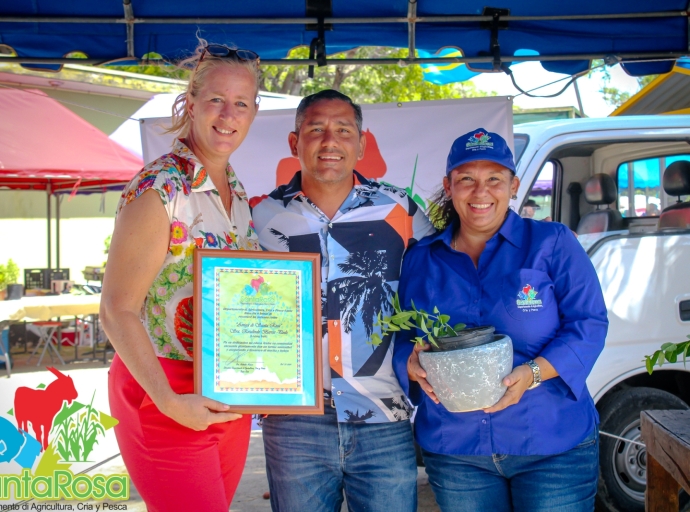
(535, 283)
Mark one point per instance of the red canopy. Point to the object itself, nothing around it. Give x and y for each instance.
(44, 144)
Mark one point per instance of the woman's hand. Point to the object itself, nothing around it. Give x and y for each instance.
(197, 412)
(517, 381)
(416, 373)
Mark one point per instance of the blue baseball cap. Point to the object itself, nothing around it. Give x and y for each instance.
(480, 144)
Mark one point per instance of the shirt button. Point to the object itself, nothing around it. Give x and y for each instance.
(333, 289)
(483, 422)
(330, 224)
(332, 256)
(335, 323)
(339, 393)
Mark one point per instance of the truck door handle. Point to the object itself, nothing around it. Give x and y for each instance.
(684, 310)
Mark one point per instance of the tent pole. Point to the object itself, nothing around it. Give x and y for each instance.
(50, 252)
(411, 26)
(57, 230)
(579, 99)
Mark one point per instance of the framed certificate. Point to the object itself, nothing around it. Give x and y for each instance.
(257, 330)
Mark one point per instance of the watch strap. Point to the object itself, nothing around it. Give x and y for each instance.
(536, 373)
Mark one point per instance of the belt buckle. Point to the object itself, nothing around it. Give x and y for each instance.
(332, 402)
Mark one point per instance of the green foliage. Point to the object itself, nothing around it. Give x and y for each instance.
(9, 274)
(78, 427)
(668, 352)
(612, 95)
(433, 325)
(363, 83)
(108, 239)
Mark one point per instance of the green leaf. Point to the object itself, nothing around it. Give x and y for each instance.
(435, 329)
(393, 327)
(648, 364)
(666, 346)
(396, 302)
(419, 340)
(459, 327)
(424, 328)
(432, 340)
(404, 326)
(376, 339)
(662, 358)
(413, 306)
(444, 318)
(436, 311)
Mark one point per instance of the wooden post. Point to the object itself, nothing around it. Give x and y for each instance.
(667, 437)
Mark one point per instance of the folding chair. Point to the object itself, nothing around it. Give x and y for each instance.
(48, 332)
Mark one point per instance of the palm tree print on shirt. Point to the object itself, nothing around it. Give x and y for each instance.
(368, 292)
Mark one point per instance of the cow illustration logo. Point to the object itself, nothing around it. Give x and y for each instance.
(479, 140)
(527, 299)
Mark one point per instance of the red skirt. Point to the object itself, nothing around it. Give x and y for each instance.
(171, 466)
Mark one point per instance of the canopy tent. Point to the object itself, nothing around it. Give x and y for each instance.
(645, 36)
(666, 94)
(45, 146)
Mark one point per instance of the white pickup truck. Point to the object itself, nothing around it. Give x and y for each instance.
(605, 179)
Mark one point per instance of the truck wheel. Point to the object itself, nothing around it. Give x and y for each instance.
(623, 465)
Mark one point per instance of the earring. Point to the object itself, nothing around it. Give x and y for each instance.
(513, 197)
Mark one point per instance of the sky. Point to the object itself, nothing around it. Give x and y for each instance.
(530, 74)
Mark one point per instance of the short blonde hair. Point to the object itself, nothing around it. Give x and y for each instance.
(181, 120)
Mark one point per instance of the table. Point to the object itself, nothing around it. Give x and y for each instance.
(33, 309)
(45, 307)
(667, 437)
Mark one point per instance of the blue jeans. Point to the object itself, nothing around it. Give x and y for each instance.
(311, 460)
(565, 482)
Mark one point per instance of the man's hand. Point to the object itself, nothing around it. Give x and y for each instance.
(416, 373)
(197, 412)
(517, 381)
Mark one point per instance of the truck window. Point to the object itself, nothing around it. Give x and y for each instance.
(641, 180)
(539, 203)
(520, 141)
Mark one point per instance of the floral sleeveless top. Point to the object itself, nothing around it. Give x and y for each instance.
(197, 219)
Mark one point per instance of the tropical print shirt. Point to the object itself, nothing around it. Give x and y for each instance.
(361, 254)
(197, 219)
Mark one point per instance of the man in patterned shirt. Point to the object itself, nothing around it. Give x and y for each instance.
(363, 443)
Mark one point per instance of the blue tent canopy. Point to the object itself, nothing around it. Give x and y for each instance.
(566, 36)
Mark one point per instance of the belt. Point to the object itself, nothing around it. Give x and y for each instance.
(328, 398)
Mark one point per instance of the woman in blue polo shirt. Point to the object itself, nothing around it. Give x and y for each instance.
(537, 447)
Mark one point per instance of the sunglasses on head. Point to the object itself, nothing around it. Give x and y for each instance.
(223, 52)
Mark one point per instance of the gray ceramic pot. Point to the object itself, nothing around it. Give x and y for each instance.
(469, 379)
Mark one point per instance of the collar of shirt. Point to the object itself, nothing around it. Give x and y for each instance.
(200, 181)
(511, 230)
(294, 189)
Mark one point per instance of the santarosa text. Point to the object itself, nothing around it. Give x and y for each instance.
(64, 485)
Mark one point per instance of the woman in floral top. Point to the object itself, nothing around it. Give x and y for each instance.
(182, 451)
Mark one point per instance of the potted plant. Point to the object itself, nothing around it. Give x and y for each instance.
(14, 291)
(466, 367)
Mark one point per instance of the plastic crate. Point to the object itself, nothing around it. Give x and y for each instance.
(40, 278)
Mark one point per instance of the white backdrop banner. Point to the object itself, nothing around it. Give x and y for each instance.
(407, 143)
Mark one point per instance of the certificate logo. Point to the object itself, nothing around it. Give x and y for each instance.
(527, 299)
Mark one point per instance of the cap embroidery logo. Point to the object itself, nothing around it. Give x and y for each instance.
(527, 299)
(479, 141)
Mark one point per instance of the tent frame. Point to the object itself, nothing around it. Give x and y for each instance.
(491, 19)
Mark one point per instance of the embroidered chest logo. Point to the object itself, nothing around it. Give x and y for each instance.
(479, 140)
(527, 299)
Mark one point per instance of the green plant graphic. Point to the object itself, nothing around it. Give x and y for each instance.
(78, 427)
(410, 190)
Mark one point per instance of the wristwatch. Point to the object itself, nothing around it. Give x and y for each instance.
(536, 373)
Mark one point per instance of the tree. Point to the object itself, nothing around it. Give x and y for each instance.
(612, 95)
(363, 83)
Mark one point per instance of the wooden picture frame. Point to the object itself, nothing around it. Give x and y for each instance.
(257, 330)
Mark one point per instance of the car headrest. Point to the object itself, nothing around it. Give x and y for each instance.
(600, 189)
(677, 178)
